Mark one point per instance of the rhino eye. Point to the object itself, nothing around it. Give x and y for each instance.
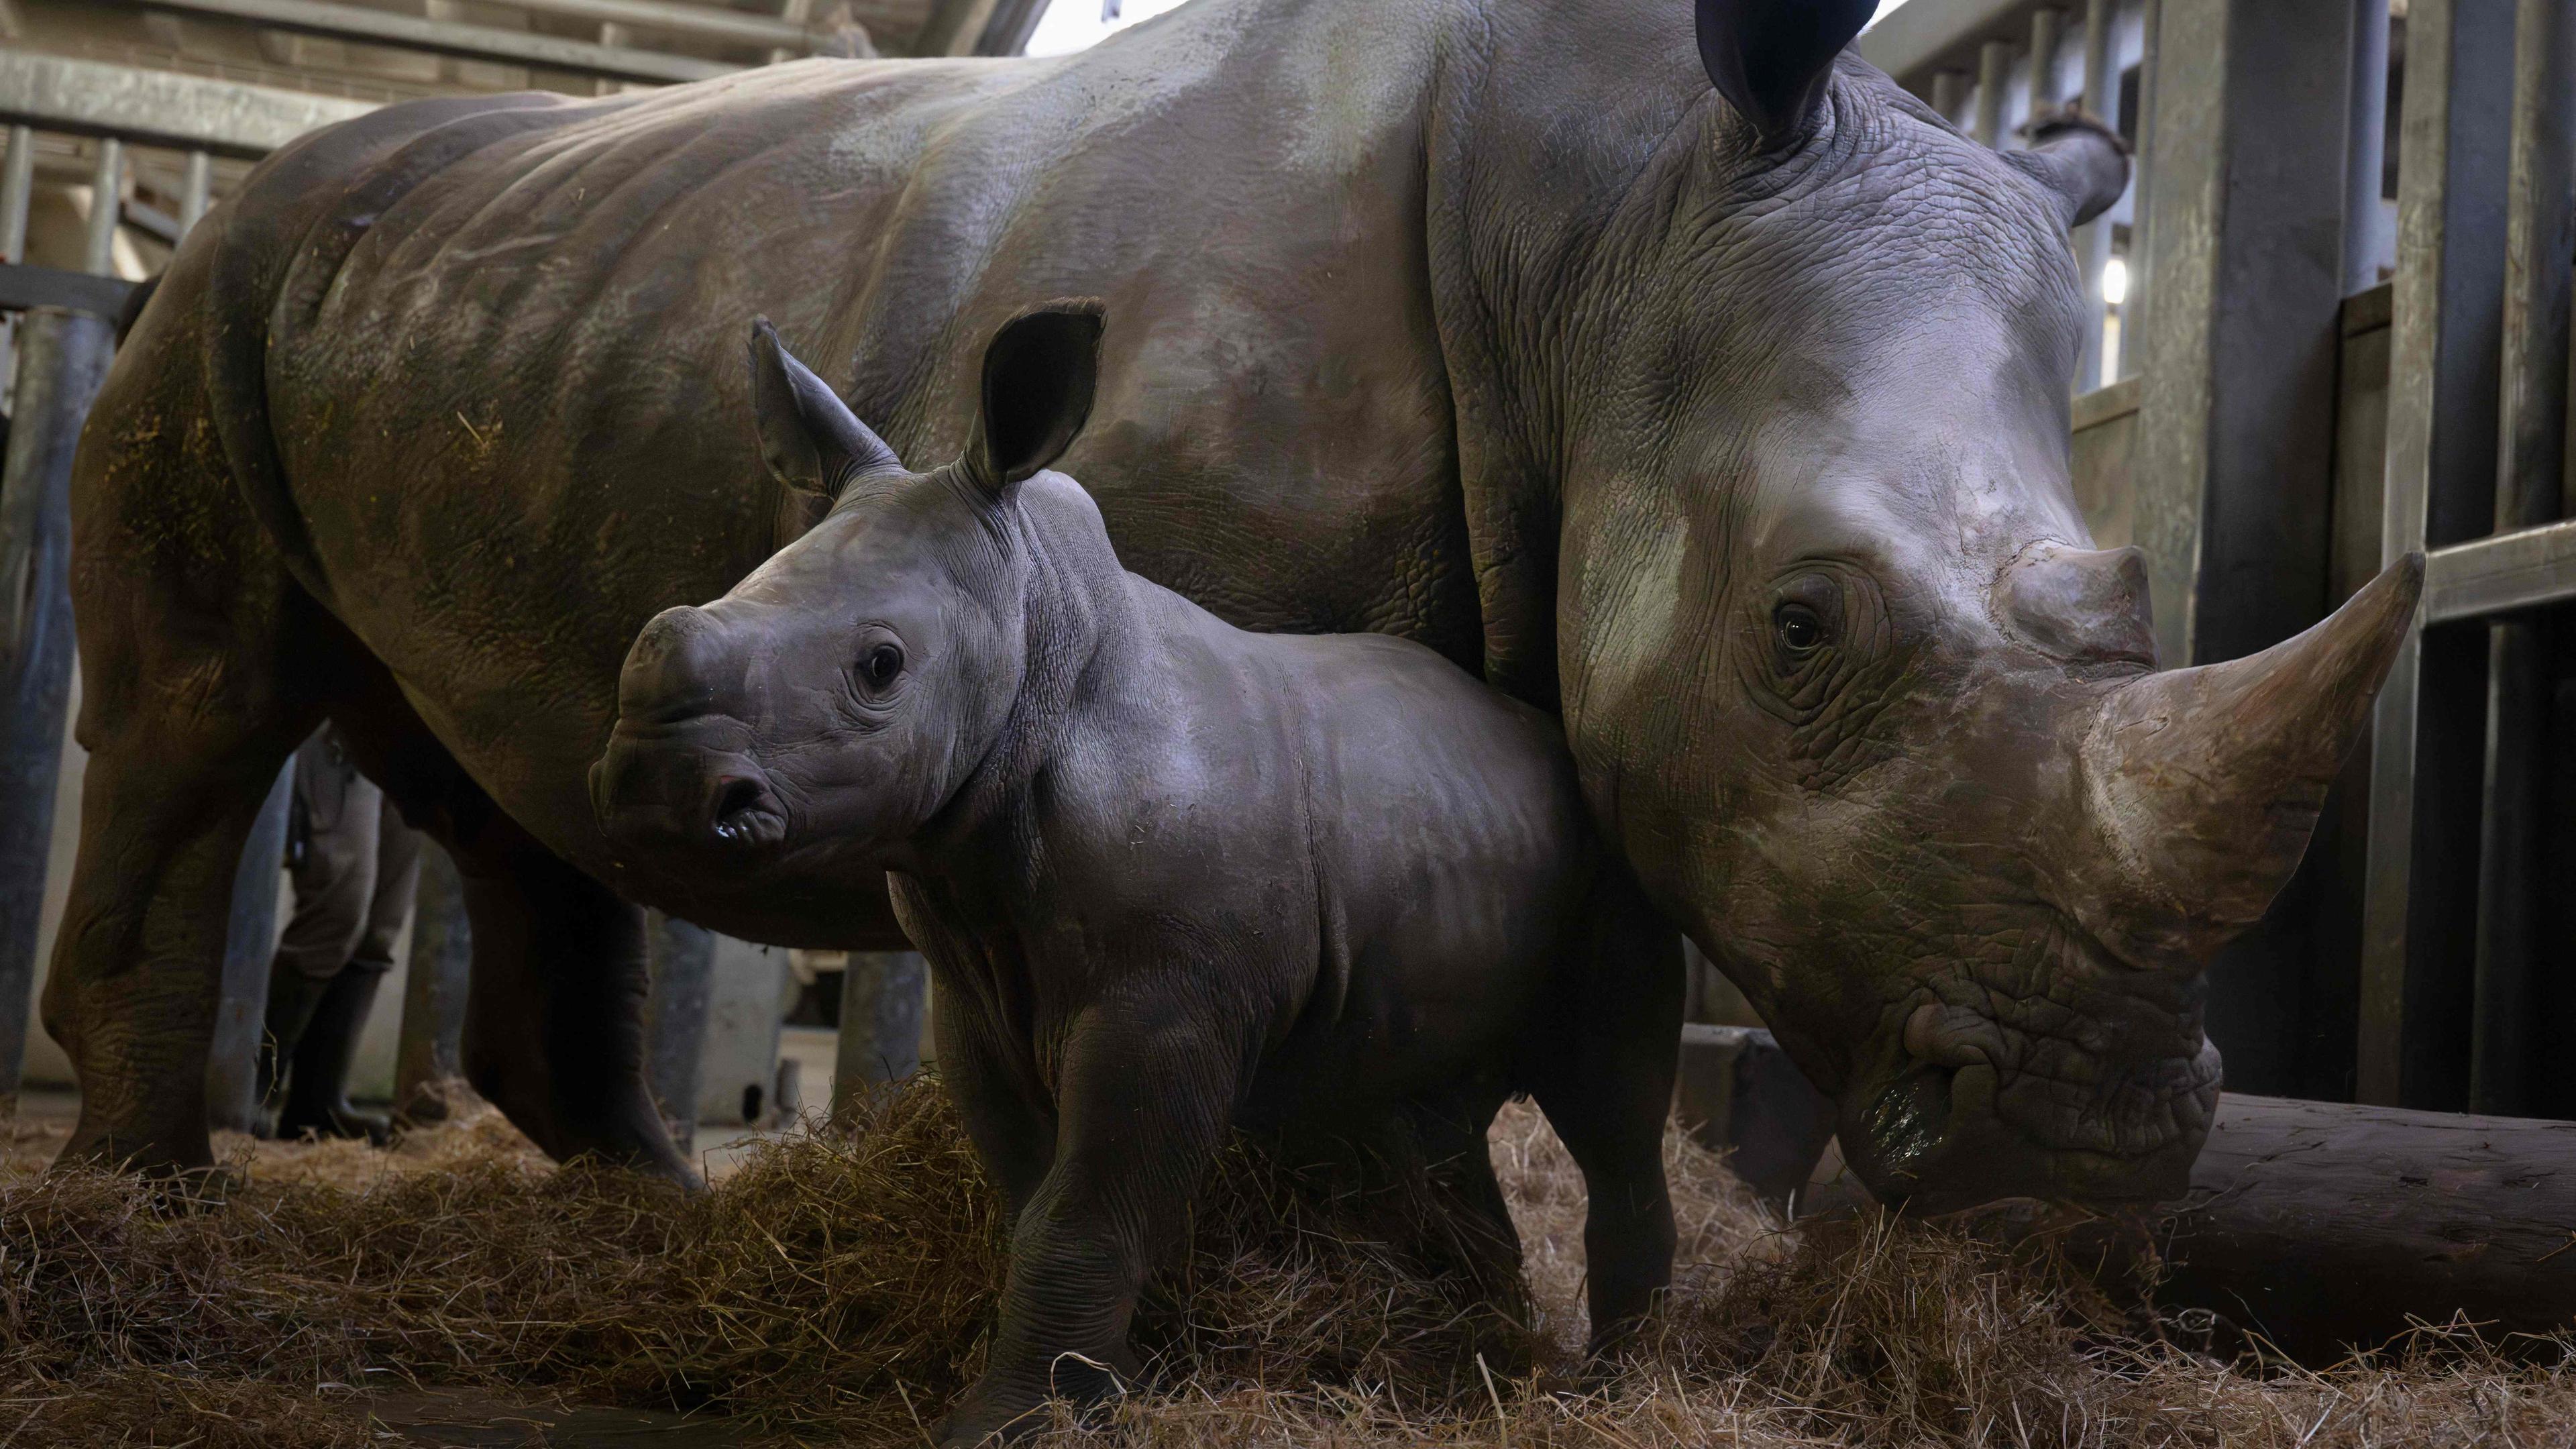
(1800, 630)
(881, 665)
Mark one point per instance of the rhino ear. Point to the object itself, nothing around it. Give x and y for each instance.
(810, 439)
(2083, 164)
(1770, 58)
(1040, 371)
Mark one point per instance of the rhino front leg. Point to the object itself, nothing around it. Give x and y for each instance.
(1601, 1067)
(1144, 1097)
(1014, 1135)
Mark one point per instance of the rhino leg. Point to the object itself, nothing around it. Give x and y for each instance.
(202, 665)
(1144, 1096)
(1014, 1136)
(554, 1019)
(1602, 1070)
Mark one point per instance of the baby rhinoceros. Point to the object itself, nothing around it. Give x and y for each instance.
(1171, 877)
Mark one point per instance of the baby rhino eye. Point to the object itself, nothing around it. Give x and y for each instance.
(881, 665)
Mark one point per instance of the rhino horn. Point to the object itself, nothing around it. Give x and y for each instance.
(2207, 781)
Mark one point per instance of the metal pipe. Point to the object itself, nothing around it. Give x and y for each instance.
(882, 999)
(2093, 239)
(682, 958)
(1994, 67)
(64, 359)
(2366, 233)
(194, 190)
(106, 207)
(17, 192)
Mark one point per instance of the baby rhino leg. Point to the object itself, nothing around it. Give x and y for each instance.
(1144, 1096)
(1601, 1065)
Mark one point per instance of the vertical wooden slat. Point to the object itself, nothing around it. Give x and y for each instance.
(17, 189)
(1994, 73)
(2540, 241)
(2235, 482)
(2365, 231)
(1949, 93)
(2093, 239)
(2142, 196)
(2444, 354)
(2047, 31)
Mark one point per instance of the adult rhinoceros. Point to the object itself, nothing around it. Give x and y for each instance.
(1728, 419)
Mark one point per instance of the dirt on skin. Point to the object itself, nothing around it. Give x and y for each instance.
(835, 1288)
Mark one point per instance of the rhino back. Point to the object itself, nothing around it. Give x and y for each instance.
(503, 365)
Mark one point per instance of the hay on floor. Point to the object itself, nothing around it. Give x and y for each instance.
(838, 1287)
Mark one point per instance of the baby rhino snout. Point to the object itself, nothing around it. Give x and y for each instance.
(678, 773)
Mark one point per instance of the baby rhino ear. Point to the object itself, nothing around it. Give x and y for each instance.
(1040, 371)
(810, 439)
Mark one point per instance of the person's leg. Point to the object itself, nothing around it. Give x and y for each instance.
(317, 1095)
(332, 870)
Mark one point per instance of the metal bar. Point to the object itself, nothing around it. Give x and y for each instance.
(106, 207)
(2142, 169)
(159, 107)
(732, 26)
(473, 42)
(2540, 241)
(882, 997)
(23, 288)
(2444, 352)
(2529, 569)
(1949, 93)
(2365, 230)
(1994, 68)
(2093, 239)
(17, 192)
(682, 959)
(62, 360)
(250, 947)
(429, 1053)
(194, 191)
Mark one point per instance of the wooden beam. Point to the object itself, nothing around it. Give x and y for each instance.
(159, 107)
(472, 42)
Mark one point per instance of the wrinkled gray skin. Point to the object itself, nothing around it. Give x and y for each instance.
(1731, 426)
(1171, 876)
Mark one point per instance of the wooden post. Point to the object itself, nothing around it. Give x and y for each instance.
(2236, 422)
(63, 358)
(2540, 243)
(2418, 918)
(1994, 71)
(2093, 239)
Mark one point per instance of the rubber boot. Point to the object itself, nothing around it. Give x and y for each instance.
(317, 1087)
(293, 998)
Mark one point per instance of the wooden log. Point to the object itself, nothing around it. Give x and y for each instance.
(2313, 1228)
(2318, 1225)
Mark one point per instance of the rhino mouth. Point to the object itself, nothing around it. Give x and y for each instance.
(2099, 1090)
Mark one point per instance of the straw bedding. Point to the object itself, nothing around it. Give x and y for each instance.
(836, 1288)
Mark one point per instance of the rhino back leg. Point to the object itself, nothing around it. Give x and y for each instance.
(203, 665)
(1601, 1065)
(554, 1019)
